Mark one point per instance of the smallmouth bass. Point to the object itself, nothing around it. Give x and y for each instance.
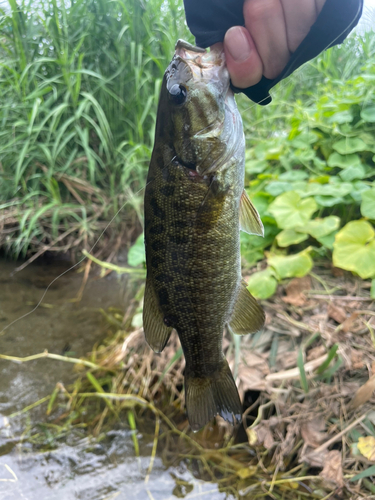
(195, 205)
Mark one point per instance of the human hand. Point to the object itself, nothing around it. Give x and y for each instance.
(273, 31)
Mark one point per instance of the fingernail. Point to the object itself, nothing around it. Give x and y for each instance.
(237, 44)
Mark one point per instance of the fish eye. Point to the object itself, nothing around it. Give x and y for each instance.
(177, 94)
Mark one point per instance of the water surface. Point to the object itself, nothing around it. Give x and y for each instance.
(80, 467)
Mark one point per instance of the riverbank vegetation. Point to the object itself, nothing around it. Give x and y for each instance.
(79, 85)
(307, 384)
(79, 89)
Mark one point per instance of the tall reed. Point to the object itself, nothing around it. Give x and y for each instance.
(79, 83)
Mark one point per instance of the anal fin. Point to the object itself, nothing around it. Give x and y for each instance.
(247, 316)
(156, 332)
(249, 218)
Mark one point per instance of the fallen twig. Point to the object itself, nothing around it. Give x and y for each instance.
(328, 443)
(295, 372)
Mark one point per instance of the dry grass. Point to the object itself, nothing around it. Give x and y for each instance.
(307, 384)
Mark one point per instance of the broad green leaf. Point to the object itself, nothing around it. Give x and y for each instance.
(262, 284)
(343, 161)
(252, 255)
(256, 166)
(350, 145)
(368, 114)
(354, 248)
(293, 175)
(274, 152)
(300, 188)
(252, 247)
(328, 201)
(353, 172)
(291, 211)
(277, 187)
(289, 237)
(319, 163)
(286, 161)
(341, 117)
(137, 253)
(322, 179)
(305, 154)
(337, 189)
(368, 204)
(270, 149)
(304, 139)
(291, 266)
(328, 240)
(358, 188)
(318, 228)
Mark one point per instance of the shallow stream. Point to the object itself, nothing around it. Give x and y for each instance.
(80, 467)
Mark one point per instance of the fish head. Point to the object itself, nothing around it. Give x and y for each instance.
(206, 125)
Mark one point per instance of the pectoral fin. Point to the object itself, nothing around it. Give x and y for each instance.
(156, 332)
(249, 218)
(248, 315)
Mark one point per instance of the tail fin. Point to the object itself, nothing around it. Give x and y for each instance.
(210, 396)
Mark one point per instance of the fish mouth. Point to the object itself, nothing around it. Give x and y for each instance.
(202, 58)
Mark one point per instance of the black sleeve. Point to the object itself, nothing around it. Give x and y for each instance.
(209, 20)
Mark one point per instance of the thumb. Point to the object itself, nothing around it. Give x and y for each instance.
(243, 61)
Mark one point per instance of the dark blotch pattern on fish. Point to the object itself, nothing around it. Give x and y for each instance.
(170, 320)
(156, 261)
(167, 175)
(178, 239)
(167, 190)
(163, 297)
(158, 212)
(164, 278)
(157, 229)
(158, 246)
(178, 206)
(181, 224)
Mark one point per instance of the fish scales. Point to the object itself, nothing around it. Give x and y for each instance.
(192, 224)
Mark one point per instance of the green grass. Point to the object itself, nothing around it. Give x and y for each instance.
(79, 86)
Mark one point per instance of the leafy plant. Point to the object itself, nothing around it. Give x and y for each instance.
(354, 248)
(310, 166)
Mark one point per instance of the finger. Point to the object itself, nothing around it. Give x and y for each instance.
(264, 20)
(299, 16)
(243, 61)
